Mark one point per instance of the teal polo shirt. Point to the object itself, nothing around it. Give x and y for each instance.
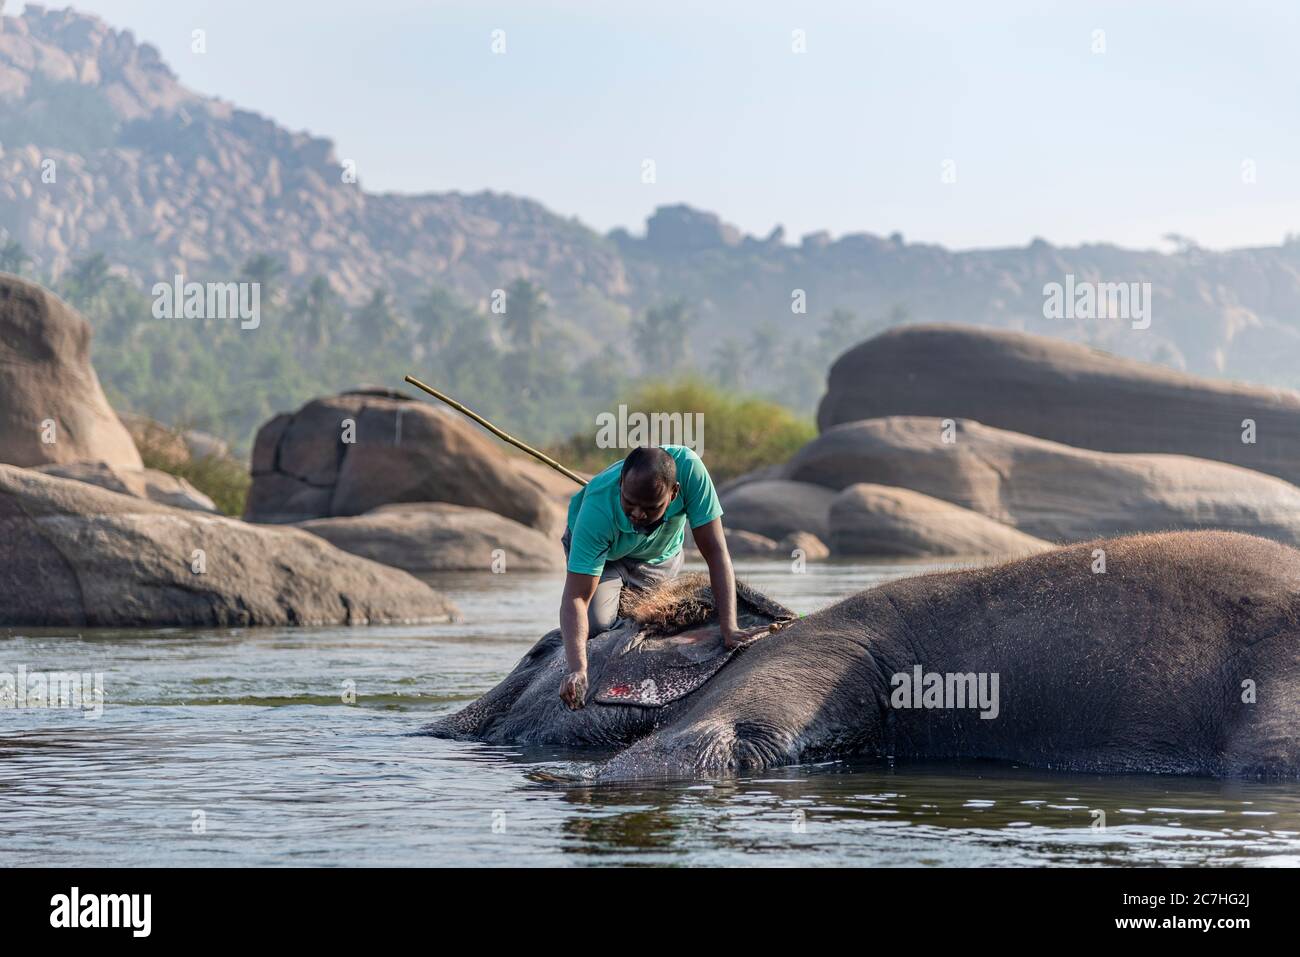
(600, 531)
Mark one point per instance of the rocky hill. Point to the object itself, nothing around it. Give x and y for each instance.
(168, 181)
(163, 180)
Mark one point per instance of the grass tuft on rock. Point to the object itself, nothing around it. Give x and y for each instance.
(224, 480)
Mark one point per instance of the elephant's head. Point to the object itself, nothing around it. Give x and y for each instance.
(664, 648)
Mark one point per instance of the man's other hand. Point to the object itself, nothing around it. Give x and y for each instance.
(573, 690)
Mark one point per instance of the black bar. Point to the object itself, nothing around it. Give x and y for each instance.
(333, 906)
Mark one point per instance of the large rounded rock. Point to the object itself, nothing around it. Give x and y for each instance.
(436, 537)
(740, 544)
(883, 521)
(1046, 489)
(743, 544)
(350, 453)
(77, 555)
(762, 474)
(557, 487)
(812, 547)
(777, 508)
(152, 484)
(52, 409)
(1062, 391)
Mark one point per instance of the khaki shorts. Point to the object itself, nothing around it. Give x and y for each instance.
(602, 613)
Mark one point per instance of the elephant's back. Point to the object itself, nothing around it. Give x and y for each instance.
(1175, 651)
(1172, 582)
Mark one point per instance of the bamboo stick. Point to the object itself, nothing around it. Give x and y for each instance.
(495, 431)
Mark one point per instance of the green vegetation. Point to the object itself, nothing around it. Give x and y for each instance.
(741, 433)
(13, 258)
(225, 481)
(213, 375)
(524, 368)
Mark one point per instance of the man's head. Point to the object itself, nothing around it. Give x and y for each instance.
(647, 485)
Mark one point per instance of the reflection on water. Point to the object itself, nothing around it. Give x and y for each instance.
(236, 747)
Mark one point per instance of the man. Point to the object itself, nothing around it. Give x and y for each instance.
(626, 527)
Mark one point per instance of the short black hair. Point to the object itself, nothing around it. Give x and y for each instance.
(649, 462)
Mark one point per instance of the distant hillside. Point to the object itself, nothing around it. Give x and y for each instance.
(162, 180)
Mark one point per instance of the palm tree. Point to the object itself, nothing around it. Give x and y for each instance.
(674, 318)
(264, 270)
(842, 330)
(661, 335)
(317, 311)
(87, 281)
(839, 330)
(13, 257)
(90, 273)
(377, 320)
(525, 314)
(763, 344)
(440, 314)
(728, 363)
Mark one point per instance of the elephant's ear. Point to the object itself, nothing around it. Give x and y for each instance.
(658, 671)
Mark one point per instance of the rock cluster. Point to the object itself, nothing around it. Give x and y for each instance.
(77, 555)
(347, 454)
(944, 440)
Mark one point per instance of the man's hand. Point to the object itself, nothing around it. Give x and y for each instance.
(712, 543)
(741, 637)
(578, 590)
(573, 690)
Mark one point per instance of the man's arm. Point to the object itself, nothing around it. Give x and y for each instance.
(713, 549)
(578, 592)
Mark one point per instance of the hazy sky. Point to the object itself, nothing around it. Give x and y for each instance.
(1046, 137)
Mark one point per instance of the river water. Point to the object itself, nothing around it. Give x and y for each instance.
(236, 747)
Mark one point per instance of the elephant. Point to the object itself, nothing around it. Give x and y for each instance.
(1167, 653)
